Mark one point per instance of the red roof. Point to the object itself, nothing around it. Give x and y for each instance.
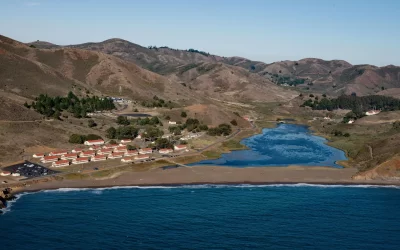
(118, 153)
(89, 152)
(50, 157)
(105, 150)
(61, 162)
(59, 152)
(99, 157)
(181, 146)
(82, 159)
(70, 155)
(161, 149)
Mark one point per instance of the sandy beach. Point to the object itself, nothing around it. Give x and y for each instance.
(214, 175)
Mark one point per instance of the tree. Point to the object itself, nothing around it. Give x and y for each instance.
(27, 105)
(234, 122)
(56, 115)
(122, 120)
(135, 110)
(93, 137)
(396, 125)
(113, 142)
(111, 133)
(183, 114)
(151, 133)
(167, 118)
(130, 147)
(91, 123)
(176, 130)
(126, 132)
(163, 143)
(77, 139)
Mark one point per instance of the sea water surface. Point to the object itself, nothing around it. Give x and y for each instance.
(287, 144)
(206, 217)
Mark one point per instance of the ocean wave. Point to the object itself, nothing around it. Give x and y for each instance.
(99, 191)
(200, 186)
(11, 202)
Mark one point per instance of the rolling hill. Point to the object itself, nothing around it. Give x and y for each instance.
(334, 77)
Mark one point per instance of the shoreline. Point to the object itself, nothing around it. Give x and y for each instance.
(185, 176)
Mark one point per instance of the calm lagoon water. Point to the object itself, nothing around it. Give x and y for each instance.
(206, 217)
(287, 144)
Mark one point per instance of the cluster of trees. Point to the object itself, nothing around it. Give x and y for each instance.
(79, 107)
(122, 132)
(340, 133)
(222, 129)
(80, 139)
(198, 51)
(123, 120)
(191, 125)
(287, 80)
(355, 103)
(157, 103)
(163, 143)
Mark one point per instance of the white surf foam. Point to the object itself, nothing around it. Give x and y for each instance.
(199, 186)
(10, 203)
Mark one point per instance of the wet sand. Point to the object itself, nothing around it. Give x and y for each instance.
(215, 175)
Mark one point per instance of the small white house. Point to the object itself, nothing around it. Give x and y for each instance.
(5, 173)
(94, 142)
(350, 121)
(58, 164)
(80, 160)
(165, 150)
(180, 147)
(142, 157)
(126, 141)
(171, 122)
(99, 158)
(144, 151)
(38, 155)
(127, 159)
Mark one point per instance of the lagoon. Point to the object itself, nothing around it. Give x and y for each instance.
(287, 144)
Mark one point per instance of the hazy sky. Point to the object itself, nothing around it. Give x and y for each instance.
(359, 31)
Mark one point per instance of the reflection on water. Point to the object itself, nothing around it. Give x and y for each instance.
(287, 144)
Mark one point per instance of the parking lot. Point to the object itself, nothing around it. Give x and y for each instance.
(30, 170)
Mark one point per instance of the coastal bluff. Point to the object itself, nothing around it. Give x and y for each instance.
(5, 195)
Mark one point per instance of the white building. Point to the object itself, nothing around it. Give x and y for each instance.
(180, 147)
(172, 122)
(116, 155)
(126, 159)
(58, 164)
(165, 150)
(99, 158)
(142, 157)
(80, 160)
(38, 156)
(94, 142)
(144, 151)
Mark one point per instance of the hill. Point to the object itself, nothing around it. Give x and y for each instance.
(310, 74)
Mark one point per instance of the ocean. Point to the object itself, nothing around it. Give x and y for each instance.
(297, 216)
(287, 144)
